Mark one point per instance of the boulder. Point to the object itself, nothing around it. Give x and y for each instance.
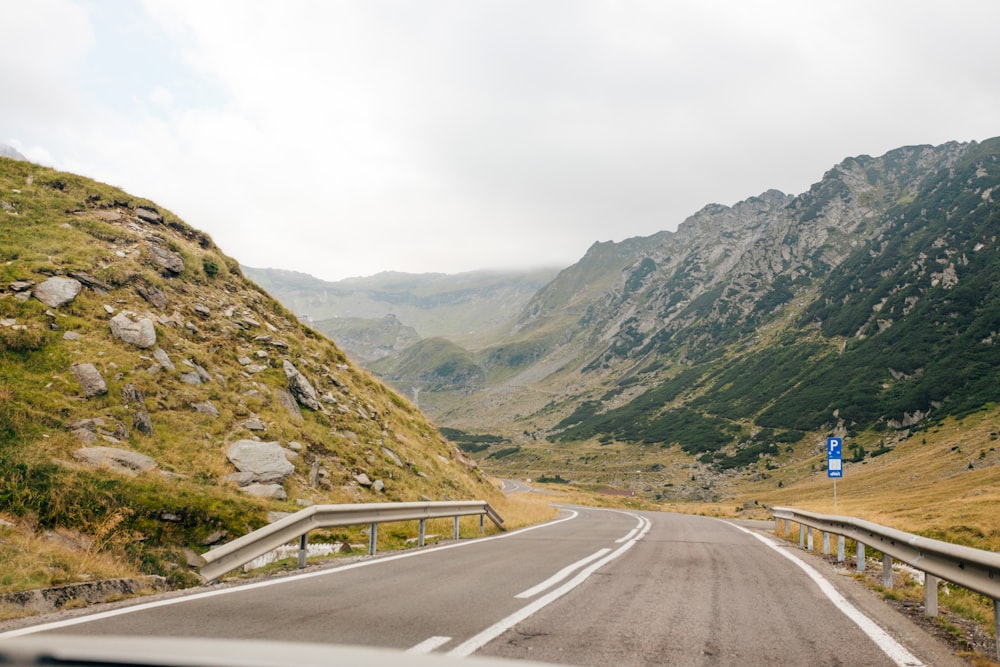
(206, 408)
(90, 379)
(150, 215)
(171, 262)
(140, 333)
(57, 291)
(273, 491)
(120, 460)
(300, 388)
(163, 359)
(153, 295)
(266, 460)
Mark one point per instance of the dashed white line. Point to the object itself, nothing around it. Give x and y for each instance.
(561, 574)
(473, 644)
(428, 645)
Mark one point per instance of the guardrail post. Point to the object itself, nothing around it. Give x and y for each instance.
(887, 570)
(482, 524)
(422, 532)
(860, 557)
(802, 535)
(840, 548)
(930, 595)
(303, 550)
(809, 538)
(372, 539)
(456, 528)
(826, 543)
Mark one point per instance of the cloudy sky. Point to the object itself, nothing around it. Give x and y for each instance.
(344, 138)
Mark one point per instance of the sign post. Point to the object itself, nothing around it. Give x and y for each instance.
(834, 464)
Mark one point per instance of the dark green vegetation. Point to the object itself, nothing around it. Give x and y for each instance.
(207, 317)
(904, 326)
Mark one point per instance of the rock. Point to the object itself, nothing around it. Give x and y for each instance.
(254, 425)
(119, 460)
(140, 333)
(273, 491)
(153, 295)
(300, 388)
(163, 359)
(191, 378)
(90, 281)
(205, 408)
(379, 485)
(392, 455)
(239, 478)
(72, 335)
(90, 379)
(57, 291)
(295, 446)
(171, 262)
(132, 396)
(142, 423)
(193, 559)
(20, 285)
(215, 538)
(149, 215)
(287, 401)
(363, 479)
(202, 310)
(266, 460)
(255, 368)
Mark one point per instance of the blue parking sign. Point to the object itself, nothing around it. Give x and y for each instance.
(834, 457)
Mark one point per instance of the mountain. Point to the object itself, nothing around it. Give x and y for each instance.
(10, 152)
(153, 399)
(464, 306)
(867, 304)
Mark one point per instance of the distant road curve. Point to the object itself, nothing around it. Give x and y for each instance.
(509, 486)
(594, 587)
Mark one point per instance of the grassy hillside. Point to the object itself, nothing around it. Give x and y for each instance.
(216, 374)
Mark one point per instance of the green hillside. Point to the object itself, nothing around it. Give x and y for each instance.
(135, 362)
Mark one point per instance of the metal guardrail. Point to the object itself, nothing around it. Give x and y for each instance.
(975, 569)
(244, 549)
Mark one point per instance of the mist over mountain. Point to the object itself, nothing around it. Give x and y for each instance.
(869, 302)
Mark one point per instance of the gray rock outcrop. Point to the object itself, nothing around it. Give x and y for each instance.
(274, 491)
(90, 379)
(171, 262)
(140, 333)
(119, 460)
(300, 387)
(57, 291)
(266, 460)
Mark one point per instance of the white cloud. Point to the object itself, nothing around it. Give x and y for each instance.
(345, 138)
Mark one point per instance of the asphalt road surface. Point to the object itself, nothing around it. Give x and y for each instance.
(596, 587)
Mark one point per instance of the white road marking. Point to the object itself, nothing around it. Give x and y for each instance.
(428, 645)
(560, 575)
(264, 584)
(473, 644)
(892, 648)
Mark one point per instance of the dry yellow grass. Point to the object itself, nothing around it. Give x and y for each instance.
(924, 485)
(55, 557)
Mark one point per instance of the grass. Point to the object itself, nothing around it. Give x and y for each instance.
(55, 224)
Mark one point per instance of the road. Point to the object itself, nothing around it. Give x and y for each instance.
(596, 587)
